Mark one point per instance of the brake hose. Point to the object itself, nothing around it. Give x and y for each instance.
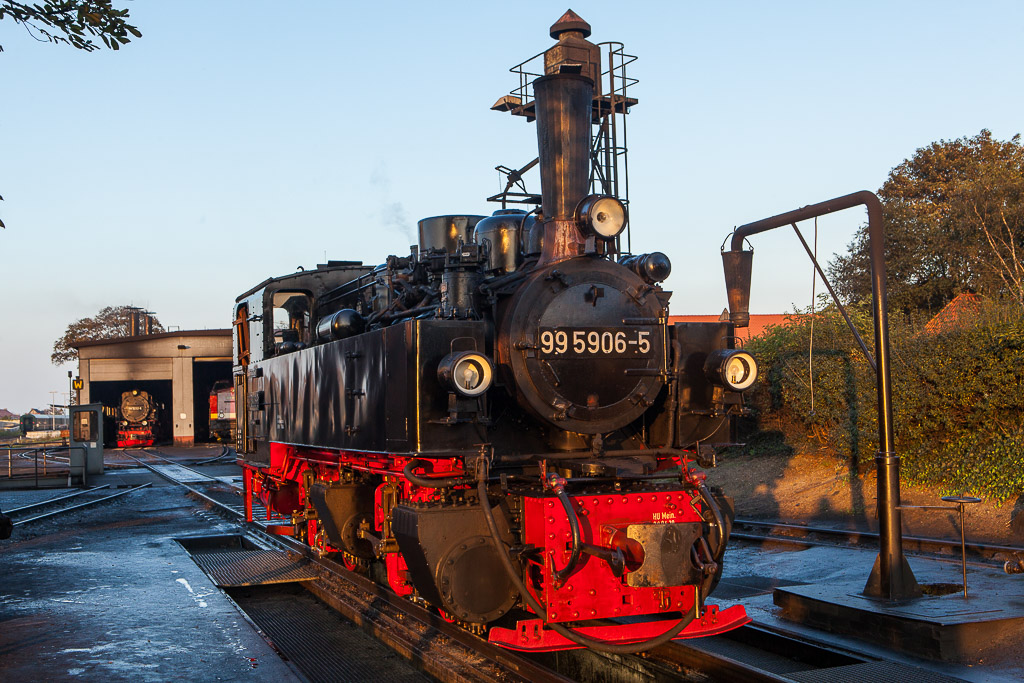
(557, 484)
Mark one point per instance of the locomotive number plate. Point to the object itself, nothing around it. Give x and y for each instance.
(605, 342)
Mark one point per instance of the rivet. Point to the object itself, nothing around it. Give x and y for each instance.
(593, 592)
(551, 503)
(575, 615)
(551, 520)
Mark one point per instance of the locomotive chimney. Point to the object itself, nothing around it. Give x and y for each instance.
(563, 102)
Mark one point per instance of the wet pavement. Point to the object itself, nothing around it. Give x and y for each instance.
(107, 593)
(752, 572)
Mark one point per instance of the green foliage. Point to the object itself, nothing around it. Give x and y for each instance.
(958, 405)
(109, 323)
(72, 22)
(954, 222)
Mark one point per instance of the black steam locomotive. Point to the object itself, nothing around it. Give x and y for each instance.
(503, 423)
(137, 419)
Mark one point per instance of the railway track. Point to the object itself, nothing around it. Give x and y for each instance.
(981, 554)
(754, 653)
(60, 505)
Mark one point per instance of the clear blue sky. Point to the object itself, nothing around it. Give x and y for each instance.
(238, 140)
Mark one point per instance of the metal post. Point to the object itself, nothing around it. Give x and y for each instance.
(10, 470)
(891, 577)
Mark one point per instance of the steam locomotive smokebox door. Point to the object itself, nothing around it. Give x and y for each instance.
(86, 440)
(452, 561)
(342, 508)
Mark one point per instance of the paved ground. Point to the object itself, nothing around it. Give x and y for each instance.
(752, 572)
(110, 595)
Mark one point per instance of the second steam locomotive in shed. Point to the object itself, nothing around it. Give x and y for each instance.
(137, 418)
(502, 423)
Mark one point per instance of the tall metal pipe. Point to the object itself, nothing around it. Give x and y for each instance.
(891, 578)
(563, 104)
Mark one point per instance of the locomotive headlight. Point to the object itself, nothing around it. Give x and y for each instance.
(733, 369)
(602, 215)
(467, 373)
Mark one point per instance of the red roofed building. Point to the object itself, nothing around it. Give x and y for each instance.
(961, 309)
(759, 322)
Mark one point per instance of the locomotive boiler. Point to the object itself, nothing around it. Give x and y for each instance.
(502, 423)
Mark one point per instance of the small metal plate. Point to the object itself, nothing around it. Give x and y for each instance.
(666, 553)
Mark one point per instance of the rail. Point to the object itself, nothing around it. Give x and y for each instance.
(784, 532)
(54, 513)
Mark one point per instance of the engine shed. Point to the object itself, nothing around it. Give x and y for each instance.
(177, 368)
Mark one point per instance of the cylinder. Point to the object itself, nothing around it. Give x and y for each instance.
(653, 268)
(500, 234)
(340, 325)
(445, 232)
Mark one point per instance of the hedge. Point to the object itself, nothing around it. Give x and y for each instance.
(957, 398)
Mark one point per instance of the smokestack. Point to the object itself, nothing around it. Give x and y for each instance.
(563, 102)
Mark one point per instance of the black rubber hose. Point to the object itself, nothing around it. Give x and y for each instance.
(562, 574)
(430, 483)
(579, 639)
(716, 512)
(719, 549)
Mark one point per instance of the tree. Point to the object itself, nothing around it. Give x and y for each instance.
(72, 22)
(110, 323)
(954, 222)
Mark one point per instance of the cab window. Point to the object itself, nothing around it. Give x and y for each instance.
(290, 321)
